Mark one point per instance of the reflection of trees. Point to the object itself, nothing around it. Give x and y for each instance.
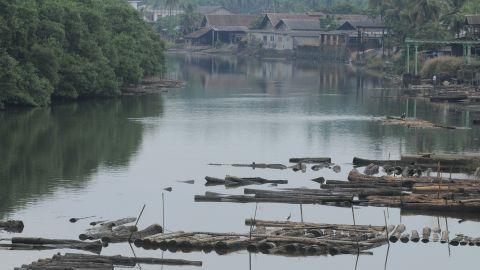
(44, 149)
(338, 93)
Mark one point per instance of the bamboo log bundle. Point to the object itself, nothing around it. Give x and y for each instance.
(14, 226)
(27, 243)
(426, 234)
(71, 261)
(311, 160)
(415, 237)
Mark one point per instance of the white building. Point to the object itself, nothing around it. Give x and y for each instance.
(133, 3)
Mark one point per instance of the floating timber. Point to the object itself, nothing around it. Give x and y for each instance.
(254, 165)
(311, 160)
(442, 162)
(233, 181)
(72, 261)
(117, 231)
(27, 243)
(14, 226)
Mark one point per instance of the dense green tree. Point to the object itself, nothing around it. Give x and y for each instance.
(72, 49)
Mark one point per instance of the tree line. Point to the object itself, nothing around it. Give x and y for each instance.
(72, 49)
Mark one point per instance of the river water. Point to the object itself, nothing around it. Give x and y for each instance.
(109, 157)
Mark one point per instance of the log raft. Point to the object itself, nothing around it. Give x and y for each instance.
(275, 237)
(72, 261)
(28, 243)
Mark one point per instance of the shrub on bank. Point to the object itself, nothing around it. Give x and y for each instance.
(446, 67)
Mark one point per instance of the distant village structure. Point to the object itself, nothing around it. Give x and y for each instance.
(294, 33)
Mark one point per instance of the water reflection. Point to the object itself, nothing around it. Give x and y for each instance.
(60, 147)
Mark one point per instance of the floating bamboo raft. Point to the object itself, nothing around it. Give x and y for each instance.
(71, 261)
(278, 238)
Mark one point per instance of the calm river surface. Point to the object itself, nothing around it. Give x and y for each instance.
(109, 157)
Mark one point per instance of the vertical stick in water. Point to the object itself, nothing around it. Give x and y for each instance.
(163, 211)
(301, 208)
(386, 228)
(448, 240)
(355, 228)
(254, 218)
(138, 219)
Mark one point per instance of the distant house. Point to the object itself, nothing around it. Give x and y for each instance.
(370, 32)
(270, 20)
(214, 10)
(472, 25)
(222, 28)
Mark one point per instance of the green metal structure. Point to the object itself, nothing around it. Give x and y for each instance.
(467, 48)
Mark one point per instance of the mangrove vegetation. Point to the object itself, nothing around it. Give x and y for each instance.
(71, 49)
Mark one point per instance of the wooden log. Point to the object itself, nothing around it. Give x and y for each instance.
(311, 160)
(404, 238)
(42, 243)
(415, 237)
(463, 241)
(306, 225)
(262, 166)
(444, 238)
(130, 233)
(121, 260)
(397, 233)
(435, 237)
(14, 226)
(426, 234)
(118, 222)
(464, 161)
(456, 241)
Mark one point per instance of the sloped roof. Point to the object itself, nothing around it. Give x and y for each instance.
(244, 20)
(370, 23)
(275, 18)
(472, 19)
(300, 24)
(209, 9)
(200, 32)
